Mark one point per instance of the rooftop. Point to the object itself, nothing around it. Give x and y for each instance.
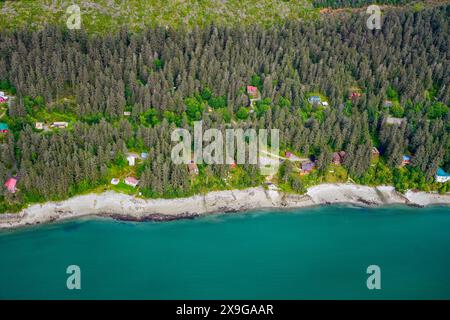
(10, 184)
(307, 165)
(132, 180)
(442, 173)
(314, 99)
(393, 120)
(252, 89)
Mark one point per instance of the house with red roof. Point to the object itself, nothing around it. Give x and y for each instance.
(338, 157)
(253, 92)
(131, 181)
(354, 95)
(3, 97)
(10, 184)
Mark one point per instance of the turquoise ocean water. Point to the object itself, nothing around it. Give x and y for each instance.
(312, 253)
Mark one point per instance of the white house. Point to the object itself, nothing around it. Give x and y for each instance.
(131, 160)
(115, 181)
(395, 121)
(59, 124)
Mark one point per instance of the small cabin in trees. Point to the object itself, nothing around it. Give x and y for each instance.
(375, 152)
(314, 100)
(131, 181)
(131, 158)
(3, 97)
(387, 104)
(338, 157)
(59, 124)
(4, 127)
(307, 167)
(395, 121)
(252, 91)
(10, 184)
(354, 95)
(406, 160)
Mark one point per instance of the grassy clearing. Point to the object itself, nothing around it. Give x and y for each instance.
(48, 117)
(3, 109)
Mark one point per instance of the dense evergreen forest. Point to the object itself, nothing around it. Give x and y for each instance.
(357, 3)
(168, 78)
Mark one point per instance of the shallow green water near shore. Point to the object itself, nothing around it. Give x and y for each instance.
(318, 252)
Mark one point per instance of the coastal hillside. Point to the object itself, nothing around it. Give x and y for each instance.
(106, 15)
(87, 111)
(103, 16)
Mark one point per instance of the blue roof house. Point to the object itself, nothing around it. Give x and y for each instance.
(314, 99)
(307, 167)
(3, 127)
(442, 176)
(406, 160)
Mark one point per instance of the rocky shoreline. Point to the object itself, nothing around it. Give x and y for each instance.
(129, 208)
